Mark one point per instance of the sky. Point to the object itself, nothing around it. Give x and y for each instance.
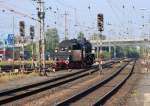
(122, 18)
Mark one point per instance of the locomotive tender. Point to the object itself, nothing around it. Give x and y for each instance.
(73, 54)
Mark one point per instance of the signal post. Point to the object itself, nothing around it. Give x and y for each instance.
(32, 34)
(100, 25)
(22, 34)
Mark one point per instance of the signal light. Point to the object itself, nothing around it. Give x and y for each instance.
(32, 32)
(41, 15)
(22, 28)
(100, 22)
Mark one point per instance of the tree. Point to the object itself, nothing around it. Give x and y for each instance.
(80, 35)
(52, 39)
(131, 52)
(104, 55)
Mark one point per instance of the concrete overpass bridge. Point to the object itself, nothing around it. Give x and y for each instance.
(120, 42)
(112, 44)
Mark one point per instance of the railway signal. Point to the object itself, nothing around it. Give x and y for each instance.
(100, 22)
(41, 15)
(100, 25)
(22, 28)
(32, 32)
(22, 34)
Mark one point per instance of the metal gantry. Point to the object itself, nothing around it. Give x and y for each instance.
(41, 18)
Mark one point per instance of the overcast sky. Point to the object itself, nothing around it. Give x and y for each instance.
(123, 15)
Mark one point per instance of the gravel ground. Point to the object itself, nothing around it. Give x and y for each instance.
(94, 96)
(52, 96)
(121, 97)
(33, 79)
(140, 93)
(38, 99)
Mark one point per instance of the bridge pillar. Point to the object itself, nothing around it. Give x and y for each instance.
(109, 49)
(114, 51)
(100, 49)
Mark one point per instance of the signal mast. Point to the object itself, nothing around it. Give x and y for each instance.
(100, 25)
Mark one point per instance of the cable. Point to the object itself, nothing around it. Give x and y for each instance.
(68, 6)
(122, 24)
(17, 12)
(115, 13)
(131, 16)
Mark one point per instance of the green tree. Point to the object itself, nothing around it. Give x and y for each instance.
(131, 52)
(80, 35)
(105, 55)
(52, 39)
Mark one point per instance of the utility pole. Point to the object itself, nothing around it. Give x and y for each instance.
(149, 27)
(13, 30)
(76, 20)
(41, 17)
(66, 29)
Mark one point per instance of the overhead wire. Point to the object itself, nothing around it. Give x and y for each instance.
(3, 6)
(116, 15)
(65, 5)
(125, 13)
(77, 24)
(133, 17)
(120, 11)
(126, 10)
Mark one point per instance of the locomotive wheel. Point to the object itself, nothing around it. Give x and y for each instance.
(83, 65)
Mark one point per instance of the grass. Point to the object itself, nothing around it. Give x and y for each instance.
(10, 77)
(3, 63)
(17, 76)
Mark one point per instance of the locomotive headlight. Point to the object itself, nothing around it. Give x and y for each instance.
(67, 61)
(56, 50)
(93, 51)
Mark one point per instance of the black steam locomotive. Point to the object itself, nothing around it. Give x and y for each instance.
(73, 54)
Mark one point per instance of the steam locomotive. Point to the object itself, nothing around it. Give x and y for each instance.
(73, 53)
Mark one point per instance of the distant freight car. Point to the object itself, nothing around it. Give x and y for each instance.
(73, 54)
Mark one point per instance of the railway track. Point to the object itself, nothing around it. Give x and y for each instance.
(19, 93)
(100, 92)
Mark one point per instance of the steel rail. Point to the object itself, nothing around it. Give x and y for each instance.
(103, 99)
(22, 92)
(83, 93)
(2, 93)
(28, 90)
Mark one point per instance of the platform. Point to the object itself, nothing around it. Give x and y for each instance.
(140, 95)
